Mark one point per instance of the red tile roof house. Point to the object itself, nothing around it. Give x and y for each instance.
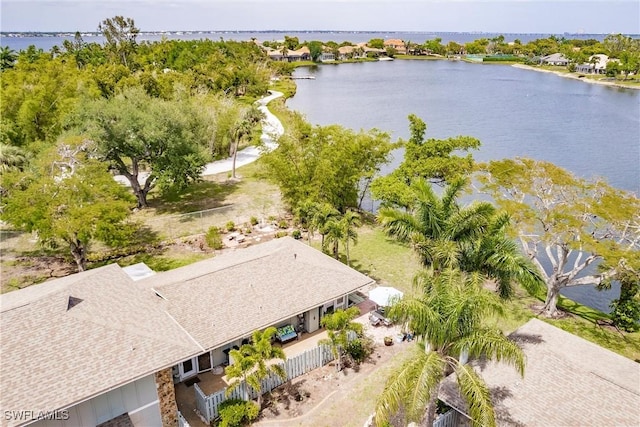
(568, 381)
(98, 348)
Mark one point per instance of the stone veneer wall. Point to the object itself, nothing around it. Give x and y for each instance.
(167, 396)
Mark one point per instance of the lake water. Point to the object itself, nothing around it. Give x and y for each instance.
(589, 129)
(47, 41)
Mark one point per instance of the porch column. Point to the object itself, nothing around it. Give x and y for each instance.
(167, 397)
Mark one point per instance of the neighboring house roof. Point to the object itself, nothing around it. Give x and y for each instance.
(73, 338)
(554, 58)
(394, 43)
(218, 302)
(70, 339)
(568, 381)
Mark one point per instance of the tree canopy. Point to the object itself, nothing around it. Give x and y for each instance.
(67, 197)
(327, 164)
(566, 224)
(430, 159)
(148, 140)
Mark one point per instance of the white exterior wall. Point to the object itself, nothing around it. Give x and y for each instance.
(139, 399)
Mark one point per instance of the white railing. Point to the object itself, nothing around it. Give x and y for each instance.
(294, 367)
(448, 419)
(182, 422)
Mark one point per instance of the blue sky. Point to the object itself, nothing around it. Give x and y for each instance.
(506, 16)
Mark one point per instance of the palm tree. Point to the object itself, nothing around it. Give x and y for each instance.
(8, 58)
(11, 158)
(305, 212)
(350, 222)
(241, 130)
(323, 215)
(338, 326)
(447, 319)
(250, 363)
(472, 238)
(334, 233)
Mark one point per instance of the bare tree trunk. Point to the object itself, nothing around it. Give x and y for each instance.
(551, 301)
(79, 253)
(233, 164)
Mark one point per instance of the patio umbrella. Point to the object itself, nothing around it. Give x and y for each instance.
(383, 295)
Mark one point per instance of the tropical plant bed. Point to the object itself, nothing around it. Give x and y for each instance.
(323, 396)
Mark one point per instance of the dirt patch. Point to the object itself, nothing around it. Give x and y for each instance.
(326, 397)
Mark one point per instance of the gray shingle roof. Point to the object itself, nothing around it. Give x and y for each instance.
(226, 298)
(568, 382)
(119, 330)
(53, 357)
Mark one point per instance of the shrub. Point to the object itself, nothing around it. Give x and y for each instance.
(296, 234)
(280, 234)
(253, 220)
(237, 412)
(360, 349)
(230, 226)
(283, 224)
(213, 238)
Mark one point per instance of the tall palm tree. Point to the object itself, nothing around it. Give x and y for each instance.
(338, 326)
(350, 222)
(472, 238)
(333, 233)
(323, 215)
(448, 322)
(250, 362)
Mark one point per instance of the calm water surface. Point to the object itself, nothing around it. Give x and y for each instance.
(589, 129)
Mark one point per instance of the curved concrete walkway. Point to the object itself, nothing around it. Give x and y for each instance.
(272, 129)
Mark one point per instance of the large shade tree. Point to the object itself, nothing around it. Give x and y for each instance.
(473, 238)
(326, 164)
(148, 140)
(567, 224)
(448, 317)
(67, 198)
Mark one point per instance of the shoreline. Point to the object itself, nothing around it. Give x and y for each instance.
(575, 77)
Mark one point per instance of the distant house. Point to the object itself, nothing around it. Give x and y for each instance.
(327, 56)
(302, 54)
(396, 44)
(597, 64)
(99, 348)
(557, 59)
(568, 381)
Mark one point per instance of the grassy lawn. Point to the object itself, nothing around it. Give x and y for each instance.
(394, 264)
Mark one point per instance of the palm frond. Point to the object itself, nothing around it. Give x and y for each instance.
(476, 393)
(492, 344)
(410, 386)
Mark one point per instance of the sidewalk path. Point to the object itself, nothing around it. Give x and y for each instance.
(272, 129)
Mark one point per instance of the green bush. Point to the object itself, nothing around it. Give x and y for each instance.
(230, 226)
(283, 224)
(253, 220)
(213, 238)
(237, 412)
(280, 234)
(360, 349)
(296, 234)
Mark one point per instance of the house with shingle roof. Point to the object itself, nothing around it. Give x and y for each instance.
(557, 59)
(568, 381)
(100, 348)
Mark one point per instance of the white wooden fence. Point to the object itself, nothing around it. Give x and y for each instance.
(294, 367)
(182, 422)
(448, 419)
